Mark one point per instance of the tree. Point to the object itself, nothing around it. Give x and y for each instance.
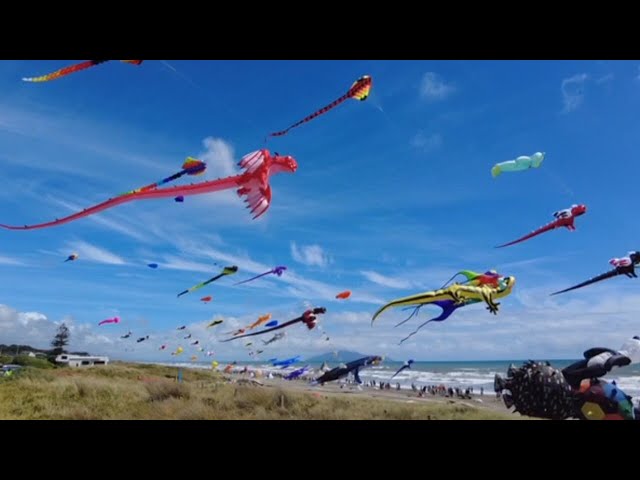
(61, 340)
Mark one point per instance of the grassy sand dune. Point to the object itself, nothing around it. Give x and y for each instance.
(131, 391)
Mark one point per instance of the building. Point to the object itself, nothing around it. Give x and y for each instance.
(81, 360)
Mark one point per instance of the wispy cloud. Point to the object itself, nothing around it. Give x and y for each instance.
(219, 157)
(114, 225)
(10, 261)
(433, 87)
(573, 92)
(92, 253)
(605, 79)
(426, 142)
(53, 126)
(176, 263)
(309, 255)
(385, 281)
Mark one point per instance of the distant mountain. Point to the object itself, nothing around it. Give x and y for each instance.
(342, 356)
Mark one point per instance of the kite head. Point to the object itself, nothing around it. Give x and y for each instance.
(283, 163)
(193, 166)
(506, 285)
(229, 270)
(635, 257)
(374, 360)
(361, 88)
(536, 159)
(279, 270)
(577, 210)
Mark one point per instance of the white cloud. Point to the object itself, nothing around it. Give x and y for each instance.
(175, 263)
(433, 87)
(219, 157)
(309, 255)
(426, 142)
(573, 92)
(10, 261)
(91, 253)
(385, 281)
(605, 79)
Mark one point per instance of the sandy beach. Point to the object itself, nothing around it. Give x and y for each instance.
(487, 401)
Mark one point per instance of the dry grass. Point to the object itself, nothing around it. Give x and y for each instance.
(125, 391)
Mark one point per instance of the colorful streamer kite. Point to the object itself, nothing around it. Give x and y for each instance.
(72, 69)
(359, 91)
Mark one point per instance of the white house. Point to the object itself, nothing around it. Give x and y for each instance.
(81, 361)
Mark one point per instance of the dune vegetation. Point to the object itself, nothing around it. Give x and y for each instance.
(136, 391)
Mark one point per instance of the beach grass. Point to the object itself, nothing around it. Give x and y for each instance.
(133, 391)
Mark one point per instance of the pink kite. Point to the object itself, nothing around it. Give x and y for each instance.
(110, 320)
(253, 183)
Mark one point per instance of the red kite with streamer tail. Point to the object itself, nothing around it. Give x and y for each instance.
(359, 91)
(253, 184)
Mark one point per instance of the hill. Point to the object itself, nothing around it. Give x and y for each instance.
(22, 349)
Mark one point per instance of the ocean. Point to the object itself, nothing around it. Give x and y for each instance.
(455, 374)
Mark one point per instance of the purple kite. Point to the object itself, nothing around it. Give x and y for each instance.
(277, 271)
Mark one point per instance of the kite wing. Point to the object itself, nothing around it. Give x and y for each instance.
(448, 307)
(468, 274)
(550, 226)
(604, 276)
(404, 367)
(418, 299)
(359, 91)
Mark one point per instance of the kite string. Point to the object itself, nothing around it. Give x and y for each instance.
(559, 182)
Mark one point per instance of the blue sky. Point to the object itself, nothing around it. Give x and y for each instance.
(392, 196)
